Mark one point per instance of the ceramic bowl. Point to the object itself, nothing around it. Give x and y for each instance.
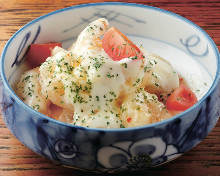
(114, 150)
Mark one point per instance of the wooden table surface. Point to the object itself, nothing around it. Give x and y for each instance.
(17, 160)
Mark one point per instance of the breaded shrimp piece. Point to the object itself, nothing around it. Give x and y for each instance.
(29, 90)
(160, 77)
(142, 108)
(89, 40)
(153, 73)
(56, 77)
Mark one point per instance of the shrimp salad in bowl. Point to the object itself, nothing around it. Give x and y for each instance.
(103, 81)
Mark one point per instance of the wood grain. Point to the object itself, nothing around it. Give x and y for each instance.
(17, 160)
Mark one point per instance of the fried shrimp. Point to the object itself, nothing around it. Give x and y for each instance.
(29, 90)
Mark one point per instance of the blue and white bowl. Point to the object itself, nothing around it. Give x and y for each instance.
(113, 150)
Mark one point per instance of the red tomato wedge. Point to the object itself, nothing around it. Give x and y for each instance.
(181, 99)
(118, 46)
(38, 53)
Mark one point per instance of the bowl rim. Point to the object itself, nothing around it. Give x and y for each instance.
(172, 14)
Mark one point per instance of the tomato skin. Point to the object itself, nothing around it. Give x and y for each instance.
(118, 46)
(181, 99)
(38, 53)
